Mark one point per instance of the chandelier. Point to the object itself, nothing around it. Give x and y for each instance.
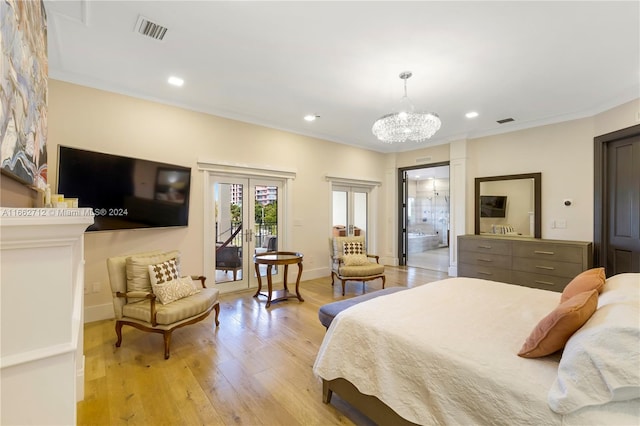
(406, 124)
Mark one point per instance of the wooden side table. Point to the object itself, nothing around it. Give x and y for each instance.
(270, 259)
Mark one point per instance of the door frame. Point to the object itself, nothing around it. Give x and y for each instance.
(402, 207)
(210, 169)
(600, 192)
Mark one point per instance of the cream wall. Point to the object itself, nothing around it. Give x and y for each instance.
(106, 122)
(562, 152)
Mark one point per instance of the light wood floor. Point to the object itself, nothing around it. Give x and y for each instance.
(255, 369)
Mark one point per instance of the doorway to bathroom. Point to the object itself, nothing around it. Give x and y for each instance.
(424, 217)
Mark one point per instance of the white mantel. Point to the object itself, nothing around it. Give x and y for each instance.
(41, 308)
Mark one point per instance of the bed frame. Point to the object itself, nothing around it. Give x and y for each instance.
(369, 405)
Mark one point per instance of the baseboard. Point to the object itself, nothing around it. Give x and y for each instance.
(311, 274)
(98, 313)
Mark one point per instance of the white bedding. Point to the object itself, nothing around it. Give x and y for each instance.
(438, 356)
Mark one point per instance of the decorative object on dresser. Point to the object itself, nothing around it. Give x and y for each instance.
(546, 264)
(150, 294)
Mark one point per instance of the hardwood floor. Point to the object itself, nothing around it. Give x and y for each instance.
(255, 369)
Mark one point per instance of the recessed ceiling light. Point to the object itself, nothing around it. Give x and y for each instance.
(175, 81)
(471, 114)
(311, 117)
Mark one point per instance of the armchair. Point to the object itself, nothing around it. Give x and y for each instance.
(228, 258)
(270, 243)
(351, 262)
(157, 302)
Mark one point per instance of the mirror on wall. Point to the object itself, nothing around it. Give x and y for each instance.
(509, 205)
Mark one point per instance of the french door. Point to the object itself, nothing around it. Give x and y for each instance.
(350, 209)
(245, 215)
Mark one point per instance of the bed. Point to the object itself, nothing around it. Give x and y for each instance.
(446, 353)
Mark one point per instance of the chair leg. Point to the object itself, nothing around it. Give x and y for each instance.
(118, 333)
(333, 274)
(167, 342)
(217, 309)
(384, 279)
(343, 286)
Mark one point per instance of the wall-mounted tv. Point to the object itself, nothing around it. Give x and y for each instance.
(124, 192)
(493, 206)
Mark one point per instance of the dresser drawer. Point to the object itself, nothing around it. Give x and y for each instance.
(556, 252)
(486, 245)
(484, 272)
(545, 282)
(485, 259)
(546, 267)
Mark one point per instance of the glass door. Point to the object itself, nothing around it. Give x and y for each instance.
(245, 214)
(350, 210)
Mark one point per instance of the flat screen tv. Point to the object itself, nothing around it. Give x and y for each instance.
(124, 192)
(493, 206)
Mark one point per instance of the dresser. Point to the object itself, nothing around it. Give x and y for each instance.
(530, 262)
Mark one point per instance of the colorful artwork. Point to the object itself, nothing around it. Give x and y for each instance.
(23, 91)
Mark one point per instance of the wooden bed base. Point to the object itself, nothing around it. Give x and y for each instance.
(369, 405)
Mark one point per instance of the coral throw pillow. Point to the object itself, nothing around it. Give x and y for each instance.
(554, 330)
(592, 279)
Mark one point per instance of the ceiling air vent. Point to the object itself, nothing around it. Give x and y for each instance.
(505, 120)
(150, 29)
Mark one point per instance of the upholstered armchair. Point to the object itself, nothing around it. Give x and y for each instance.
(351, 262)
(150, 294)
(228, 258)
(270, 243)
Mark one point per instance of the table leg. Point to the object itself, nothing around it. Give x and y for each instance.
(298, 282)
(259, 280)
(286, 273)
(269, 284)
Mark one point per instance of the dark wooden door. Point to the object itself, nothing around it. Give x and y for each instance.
(622, 208)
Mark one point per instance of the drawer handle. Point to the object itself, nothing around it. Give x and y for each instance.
(543, 252)
(484, 260)
(485, 247)
(548, 268)
(544, 283)
(484, 273)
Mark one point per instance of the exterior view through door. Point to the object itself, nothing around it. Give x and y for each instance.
(425, 217)
(246, 213)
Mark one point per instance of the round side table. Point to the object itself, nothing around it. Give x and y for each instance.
(270, 259)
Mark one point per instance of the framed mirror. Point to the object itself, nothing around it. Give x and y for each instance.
(509, 205)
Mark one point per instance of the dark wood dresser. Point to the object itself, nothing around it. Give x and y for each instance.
(530, 262)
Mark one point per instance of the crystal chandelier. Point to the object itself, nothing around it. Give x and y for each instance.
(406, 124)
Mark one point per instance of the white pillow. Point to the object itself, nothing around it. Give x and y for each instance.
(175, 289)
(601, 361)
(355, 260)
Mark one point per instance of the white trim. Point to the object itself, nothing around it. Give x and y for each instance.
(338, 180)
(245, 170)
(98, 313)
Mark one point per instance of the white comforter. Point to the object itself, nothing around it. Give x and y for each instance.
(438, 356)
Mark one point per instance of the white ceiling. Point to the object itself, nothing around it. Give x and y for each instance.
(271, 63)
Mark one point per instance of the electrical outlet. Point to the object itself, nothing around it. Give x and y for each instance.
(95, 287)
(561, 223)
